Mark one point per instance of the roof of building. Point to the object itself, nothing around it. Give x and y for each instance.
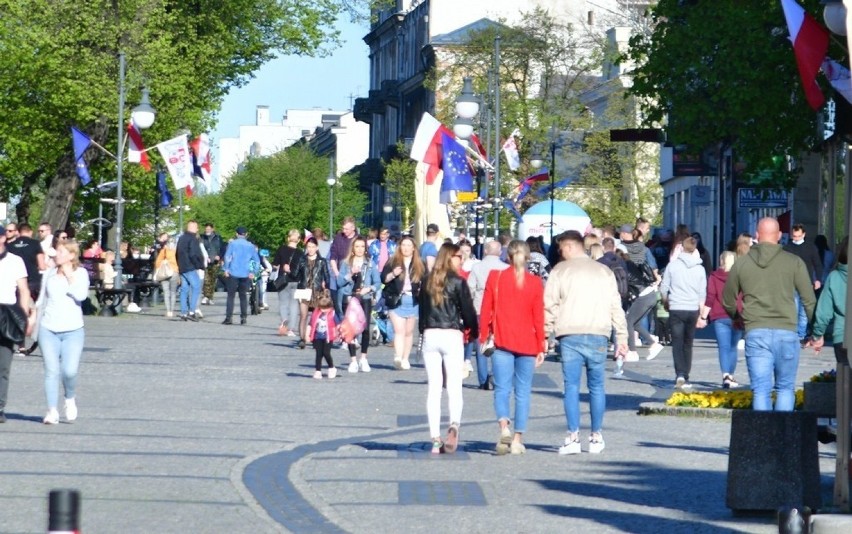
(461, 35)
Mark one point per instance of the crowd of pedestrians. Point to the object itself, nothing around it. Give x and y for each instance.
(590, 297)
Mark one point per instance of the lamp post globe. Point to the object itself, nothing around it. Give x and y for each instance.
(463, 128)
(143, 114)
(331, 180)
(467, 105)
(387, 208)
(834, 15)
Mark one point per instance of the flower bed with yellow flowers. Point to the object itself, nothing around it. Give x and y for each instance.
(721, 398)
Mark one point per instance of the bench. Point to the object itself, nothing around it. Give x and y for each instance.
(111, 298)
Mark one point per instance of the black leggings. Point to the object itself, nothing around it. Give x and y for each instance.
(367, 304)
(323, 350)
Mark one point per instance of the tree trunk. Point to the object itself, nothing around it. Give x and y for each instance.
(22, 210)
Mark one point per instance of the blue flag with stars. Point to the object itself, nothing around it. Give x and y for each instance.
(457, 175)
(81, 143)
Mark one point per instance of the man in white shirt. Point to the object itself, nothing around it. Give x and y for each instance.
(13, 277)
(45, 235)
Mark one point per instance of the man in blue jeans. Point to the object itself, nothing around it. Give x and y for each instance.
(768, 277)
(190, 260)
(582, 306)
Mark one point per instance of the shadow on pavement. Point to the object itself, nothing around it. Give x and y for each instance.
(630, 522)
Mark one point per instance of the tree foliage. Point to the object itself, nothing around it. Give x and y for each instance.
(724, 73)
(59, 67)
(399, 181)
(274, 194)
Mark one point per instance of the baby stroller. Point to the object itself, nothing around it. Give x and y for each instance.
(379, 323)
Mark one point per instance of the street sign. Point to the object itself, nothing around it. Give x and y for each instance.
(755, 197)
(466, 196)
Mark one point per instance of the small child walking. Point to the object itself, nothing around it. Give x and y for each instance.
(323, 333)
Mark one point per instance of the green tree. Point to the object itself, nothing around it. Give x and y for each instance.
(723, 74)
(399, 180)
(273, 194)
(59, 67)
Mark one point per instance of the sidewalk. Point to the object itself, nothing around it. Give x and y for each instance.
(222, 429)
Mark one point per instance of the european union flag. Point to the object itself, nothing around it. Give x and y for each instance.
(81, 143)
(525, 189)
(509, 205)
(165, 195)
(457, 175)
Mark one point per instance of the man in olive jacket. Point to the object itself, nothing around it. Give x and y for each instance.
(768, 277)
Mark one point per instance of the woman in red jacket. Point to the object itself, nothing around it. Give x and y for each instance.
(728, 333)
(513, 309)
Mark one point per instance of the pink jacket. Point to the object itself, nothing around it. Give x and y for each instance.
(332, 326)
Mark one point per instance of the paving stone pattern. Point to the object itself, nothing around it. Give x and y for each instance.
(215, 428)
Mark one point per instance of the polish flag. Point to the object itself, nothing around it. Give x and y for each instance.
(810, 44)
(308, 235)
(135, 147)
(426, 147)
(477, 143)
(510, 148)
(202, 166)
(839, 77)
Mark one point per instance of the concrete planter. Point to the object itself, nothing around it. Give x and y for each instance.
(821, 398)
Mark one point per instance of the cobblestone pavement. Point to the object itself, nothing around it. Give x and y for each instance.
(222, 429)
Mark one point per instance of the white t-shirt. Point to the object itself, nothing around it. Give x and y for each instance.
(12, 269)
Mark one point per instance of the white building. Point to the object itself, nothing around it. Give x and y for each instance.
(265, 138)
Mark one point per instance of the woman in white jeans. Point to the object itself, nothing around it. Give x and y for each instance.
(61, 335)
(446, 310)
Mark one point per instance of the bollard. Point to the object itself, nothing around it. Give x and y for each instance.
(63, 512)
(793, 520)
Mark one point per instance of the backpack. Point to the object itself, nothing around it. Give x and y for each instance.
(621, 280)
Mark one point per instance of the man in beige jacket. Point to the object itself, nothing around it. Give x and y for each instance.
(581, 307)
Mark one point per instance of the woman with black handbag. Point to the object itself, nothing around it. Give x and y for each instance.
(285, 261)
(15, 313)
(312, 275)
(402, 276)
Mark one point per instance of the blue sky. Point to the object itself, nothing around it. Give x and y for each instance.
(301, 82)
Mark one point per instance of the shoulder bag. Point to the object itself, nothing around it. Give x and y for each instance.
(13, 323)
(164, 271)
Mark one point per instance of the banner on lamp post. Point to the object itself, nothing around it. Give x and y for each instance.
(175, 152)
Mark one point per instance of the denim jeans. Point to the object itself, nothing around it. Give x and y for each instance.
(512, 370)
(801, 317)
(727, 338)
(579, 350)
(288, 307)
(190, 291)
(682, 327)
(771, 352)
(61, 352)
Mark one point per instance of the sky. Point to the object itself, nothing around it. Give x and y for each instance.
(292, 82)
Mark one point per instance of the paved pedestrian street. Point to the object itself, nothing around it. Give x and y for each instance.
(212, 428)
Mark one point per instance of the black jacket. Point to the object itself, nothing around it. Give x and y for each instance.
(810, 255)
(319, 273)
(456, 311)
(189, 255)
(394, 287)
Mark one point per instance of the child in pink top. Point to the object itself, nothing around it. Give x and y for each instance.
(323, 334)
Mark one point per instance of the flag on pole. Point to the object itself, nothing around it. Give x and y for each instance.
(457, 175)
(524, 190)
(308, 235)
(135, 147)
(165, 195)
(546, 189)
(175, 153)
(839, 77)
(81, 142)
(510, 148)
(810, 44)
(509, 205)
(477, 143)
(426, 147)
(188, 190)
(201, 164)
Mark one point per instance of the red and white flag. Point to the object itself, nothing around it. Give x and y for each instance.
(510, 148)
(810, 44)
(839, 77)
(135, 147)
(426, 147)
(202, 166)
(308, 235)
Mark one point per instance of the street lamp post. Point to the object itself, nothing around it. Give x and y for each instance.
(143, 117)
(537, 161)
(467, 106)
(331, 181)
(497, 134)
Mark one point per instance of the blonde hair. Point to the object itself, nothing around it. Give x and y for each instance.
(590, 240)
(596, 251)
(73, 247)
(518, 253)
(726, 260)
(437, 280)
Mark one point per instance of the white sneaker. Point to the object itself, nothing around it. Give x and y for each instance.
(397, 362)
(353, 366)
(631, 356)
(52, 417)
(70, 410)
(210, 302)
(199, 314)
(596, 443)
(332, 372)
(364, 365)
(133, 308)
(741, 344)
(405, 366)
(637, 339)
(653, 351)
(204, 300)
(317, 375)
(572, 445)
(467, 369)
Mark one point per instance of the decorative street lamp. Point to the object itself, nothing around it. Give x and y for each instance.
(834, 15)
(387, 207)
(143, 117)
(331, 181)
(537, 160)
(467, 107)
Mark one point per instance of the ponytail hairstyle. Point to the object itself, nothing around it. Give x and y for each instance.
(437, 279)
(519, 254)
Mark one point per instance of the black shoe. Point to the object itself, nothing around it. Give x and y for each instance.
(183, 317)
(227, 321)
(243, 320)
(192, 317)
(486, 386)
(302, 344)
(2, 416)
